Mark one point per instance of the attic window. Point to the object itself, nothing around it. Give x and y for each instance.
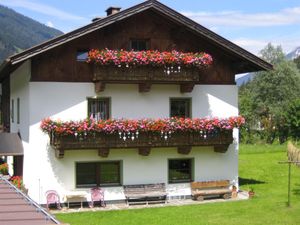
(139, 44)
(81, 56)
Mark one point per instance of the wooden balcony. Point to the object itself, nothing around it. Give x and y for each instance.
(183, 141)
(145, 76)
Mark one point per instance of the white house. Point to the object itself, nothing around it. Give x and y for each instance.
(53, 80)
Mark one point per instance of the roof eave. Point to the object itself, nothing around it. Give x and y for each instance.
(106, 21)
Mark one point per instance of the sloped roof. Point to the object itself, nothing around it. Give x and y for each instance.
(18, 209)
(150, 4)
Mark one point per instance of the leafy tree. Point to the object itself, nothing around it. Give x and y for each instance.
(265, 100)
(272, 54)
(297, 61)
(293, 118)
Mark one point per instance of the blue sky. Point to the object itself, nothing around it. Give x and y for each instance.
(249, 23)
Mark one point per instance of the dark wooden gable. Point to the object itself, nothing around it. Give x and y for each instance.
(59, 64)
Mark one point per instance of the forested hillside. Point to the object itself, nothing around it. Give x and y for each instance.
(18, 32)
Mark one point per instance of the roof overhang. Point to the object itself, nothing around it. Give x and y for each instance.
(10, 144)
(106, 21)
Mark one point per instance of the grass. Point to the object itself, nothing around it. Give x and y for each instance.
(259, 169)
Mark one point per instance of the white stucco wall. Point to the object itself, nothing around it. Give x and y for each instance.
(19, 86)
(66, 101)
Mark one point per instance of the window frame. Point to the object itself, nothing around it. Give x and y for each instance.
(12, 110)
(191, 176)
(18, 110)
(188, 99)
(106, 99)
(98, 173)
(146, 40)
(81, 51)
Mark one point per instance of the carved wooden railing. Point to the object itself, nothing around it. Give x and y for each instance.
(184, 141)
(145, 76)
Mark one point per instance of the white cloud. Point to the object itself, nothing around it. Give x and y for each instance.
(50, 24)
(254, 45)
(251, 45)
(286, 16)
(41, 8)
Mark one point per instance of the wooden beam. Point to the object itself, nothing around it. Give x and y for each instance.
(221, 148)
(99, 86)
(103, 152)
(144, 87)
(144, 151)
(185, 150)
(59, 153)
(187, 88)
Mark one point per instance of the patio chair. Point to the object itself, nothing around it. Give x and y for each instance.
(97, 195)
(52, 198)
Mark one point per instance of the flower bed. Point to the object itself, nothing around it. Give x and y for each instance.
(151, 57)
(126, 126)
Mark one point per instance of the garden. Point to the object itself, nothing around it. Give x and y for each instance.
(258, 169)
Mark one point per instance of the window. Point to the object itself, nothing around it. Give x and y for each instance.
(92, 174)
(139, 45)
(98, 108)
(180, 107)
(82, 56)
(18, 110)
(12, 110)
(180, 170)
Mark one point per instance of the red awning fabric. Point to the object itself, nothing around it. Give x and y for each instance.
(10, 144)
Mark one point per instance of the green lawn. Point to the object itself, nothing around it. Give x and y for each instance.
(259, 169)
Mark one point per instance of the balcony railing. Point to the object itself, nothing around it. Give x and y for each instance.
(147, 67)
(145, 76)
(183, 141)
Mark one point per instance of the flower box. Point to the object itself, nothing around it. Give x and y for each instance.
(147, 67)
(143, 134)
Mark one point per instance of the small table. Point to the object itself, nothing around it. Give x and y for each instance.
(75, 197)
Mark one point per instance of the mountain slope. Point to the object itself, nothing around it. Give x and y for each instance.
(240, 80)
(18, 32)
(293, 54)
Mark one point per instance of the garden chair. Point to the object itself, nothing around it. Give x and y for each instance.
(52, 198)
(97, 195)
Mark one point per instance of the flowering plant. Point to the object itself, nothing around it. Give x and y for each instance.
(150, 57)
(17, 181)
(4, 168)
(126, 126)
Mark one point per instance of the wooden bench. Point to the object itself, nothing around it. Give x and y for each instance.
(145, 193)
(201, 190)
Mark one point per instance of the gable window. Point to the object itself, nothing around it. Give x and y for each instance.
(81, 56)
(98, 108)
(180, 170)
(12, 110)
(180, 107)
(92, 174)
(139, 44)
(18, 110)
